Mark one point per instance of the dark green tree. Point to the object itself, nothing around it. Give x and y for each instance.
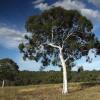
(80, 69)
(59, 37)
(8, 70)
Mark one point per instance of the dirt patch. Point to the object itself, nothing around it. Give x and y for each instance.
(26, 90)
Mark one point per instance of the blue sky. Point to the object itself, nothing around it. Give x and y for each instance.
(14, 13)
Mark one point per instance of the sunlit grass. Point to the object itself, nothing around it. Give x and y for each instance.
(50, 92)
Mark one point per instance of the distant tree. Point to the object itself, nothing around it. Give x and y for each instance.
(80, 69)
(8, 70)
(59, 36)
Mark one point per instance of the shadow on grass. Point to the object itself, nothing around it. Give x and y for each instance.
(83, 86)
(89, 84)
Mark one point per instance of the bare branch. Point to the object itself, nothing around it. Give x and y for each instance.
(68, 58)
(52, 34)
(55, 46)
(69, 34)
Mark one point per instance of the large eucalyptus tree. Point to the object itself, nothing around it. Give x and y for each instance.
(59, 37)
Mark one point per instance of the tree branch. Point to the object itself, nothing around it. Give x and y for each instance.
(55, 46)
(69, 34)
(68, 58)
(52, 35)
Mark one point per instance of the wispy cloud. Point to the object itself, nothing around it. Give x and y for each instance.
(10, 38)
(42, 6)
(95, 2)
(37, 1)
(69, 4)
(93, 15)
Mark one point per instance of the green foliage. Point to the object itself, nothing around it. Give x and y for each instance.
(80, 69)
(27, 77)
(12, 76)
(52, 77)
(54, 26)
(21, 47)
(8, 70)
(54, 17)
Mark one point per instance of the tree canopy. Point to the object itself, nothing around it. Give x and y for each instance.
(8, 69)
(55, 27)
(59, 37)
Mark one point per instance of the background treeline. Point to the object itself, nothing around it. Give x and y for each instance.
(28, 77)
(11, 75)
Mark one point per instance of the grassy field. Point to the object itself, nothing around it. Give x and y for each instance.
(51, 92)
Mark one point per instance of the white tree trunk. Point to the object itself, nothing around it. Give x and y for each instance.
(3, 82)
(65, 83)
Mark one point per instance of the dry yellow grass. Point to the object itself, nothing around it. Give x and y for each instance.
(50, 92)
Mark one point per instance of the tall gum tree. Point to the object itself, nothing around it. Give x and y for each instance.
(59, 37)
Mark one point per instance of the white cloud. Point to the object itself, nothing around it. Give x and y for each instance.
(42, 6)
(69, 4)
(37, 1)
(95, 2)
(10, 38)
(93, 15)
